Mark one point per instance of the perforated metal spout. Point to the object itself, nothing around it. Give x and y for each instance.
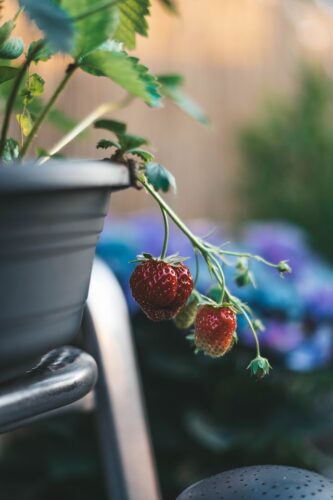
(262, 482)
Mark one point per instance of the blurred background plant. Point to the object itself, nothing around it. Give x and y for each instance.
(287, 158)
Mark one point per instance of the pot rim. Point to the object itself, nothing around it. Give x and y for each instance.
(59, 175)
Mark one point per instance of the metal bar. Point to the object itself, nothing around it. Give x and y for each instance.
(125, 444)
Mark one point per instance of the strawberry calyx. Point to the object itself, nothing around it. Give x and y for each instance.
(173, 259)
(259, 367)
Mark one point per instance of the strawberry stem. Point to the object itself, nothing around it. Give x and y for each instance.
(166, 233)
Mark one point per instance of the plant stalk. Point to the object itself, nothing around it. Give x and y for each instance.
(97, 113)
(70, 70)
(12, 97)
(166, 234)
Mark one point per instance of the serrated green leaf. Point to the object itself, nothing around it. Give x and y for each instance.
(36, 85)
(114, 126)
(93, 30)
(128, 141)
(34, 88)
(6, 30)
(160, 177)
(105, 144)
(25, 123)
(7, 73)
(146, 156)
(12, 48)
(132, 20)
(44, 53)
(11, 151)
(53, 21)
(112, 62)
(171, 88)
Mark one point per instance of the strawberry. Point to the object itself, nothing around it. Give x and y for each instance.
(214, 329)
(186, 316)
(185, 285)
(161, 288)
(160, 313)
(154, 282)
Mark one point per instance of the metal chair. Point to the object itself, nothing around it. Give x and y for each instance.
(67, 374)
(270, 482)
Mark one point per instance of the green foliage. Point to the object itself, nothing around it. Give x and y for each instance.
(111, 61)
(171, 87)
(132, 20)
(146, 156)
(11, 151)
(287, 158)
(34, 88)
(44, 53)
(55, 117)
(25, 122)
(93, 30)
(105, 144)
(171, 5)
(126, 143)
(160, 177)
(5, 31)
(54, 21)
(7, 73)
(12, 48)
(118, 128)
(129, 142)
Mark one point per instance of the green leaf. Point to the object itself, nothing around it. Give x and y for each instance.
(5, 31)
(160, 177)
(105, 144)
(93, 30)
(112, 62)
(7, 73)
(25, 123)
(171, 88)
(128, 141)
(44, 53)
(53, 21)
(146, 156)
(131, 21)
(34, 88)
(170, 5)
(114, 126)
(36, 85)
(11, 151)
(12, 48)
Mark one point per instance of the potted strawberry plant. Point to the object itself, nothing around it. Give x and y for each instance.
(52, 210)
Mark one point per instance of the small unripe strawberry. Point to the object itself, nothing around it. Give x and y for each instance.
(214, 329)
(186, 316)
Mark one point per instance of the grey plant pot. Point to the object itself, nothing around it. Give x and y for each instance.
(50, 220)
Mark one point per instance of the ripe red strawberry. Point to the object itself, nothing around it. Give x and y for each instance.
(160, 288)
(214, 330)
(154, 282)
(160, 313)
(185, 285)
